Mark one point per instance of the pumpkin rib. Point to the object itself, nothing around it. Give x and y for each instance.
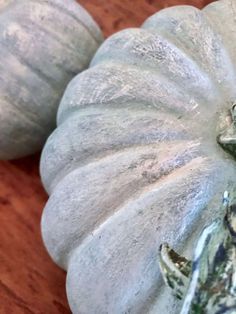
(69, 50)
(66, 6)
(28, 117)
(91, 108)
(70, 8)
(56, 174)
(15, 62)
(36, 20)
(96, 220)
(121, 79)
(35, 69)
(218, 16)
(64, 9)
(11, 43)
(30, 114)
(16, 77)
(195, 95)
(131, 49)
(66, 67)
(10, 135)
(25, 116)
(54, 34)
(208, 41)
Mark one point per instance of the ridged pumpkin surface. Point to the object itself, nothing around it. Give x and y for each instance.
(134, 161)
(43, 45)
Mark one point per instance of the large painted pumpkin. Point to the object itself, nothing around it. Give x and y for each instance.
(135, 160)
(43, 45)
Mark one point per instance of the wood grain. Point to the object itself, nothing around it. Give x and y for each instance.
(115, 15)
(29, 281)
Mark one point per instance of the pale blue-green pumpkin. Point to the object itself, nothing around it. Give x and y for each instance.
(43, 45)
(135, 160)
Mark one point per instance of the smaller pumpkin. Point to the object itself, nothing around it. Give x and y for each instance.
(43, 44)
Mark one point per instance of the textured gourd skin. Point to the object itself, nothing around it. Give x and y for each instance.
(43, 45)
(134, 161)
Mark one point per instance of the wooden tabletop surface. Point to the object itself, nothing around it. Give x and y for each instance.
(29, 281)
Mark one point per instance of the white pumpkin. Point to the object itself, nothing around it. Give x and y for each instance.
(43, 45)
(135, 161)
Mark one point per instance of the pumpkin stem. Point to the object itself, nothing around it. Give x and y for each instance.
(207, 284)
(227, 139)
(175, 269)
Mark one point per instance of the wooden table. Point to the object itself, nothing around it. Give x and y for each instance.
(29, 281)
